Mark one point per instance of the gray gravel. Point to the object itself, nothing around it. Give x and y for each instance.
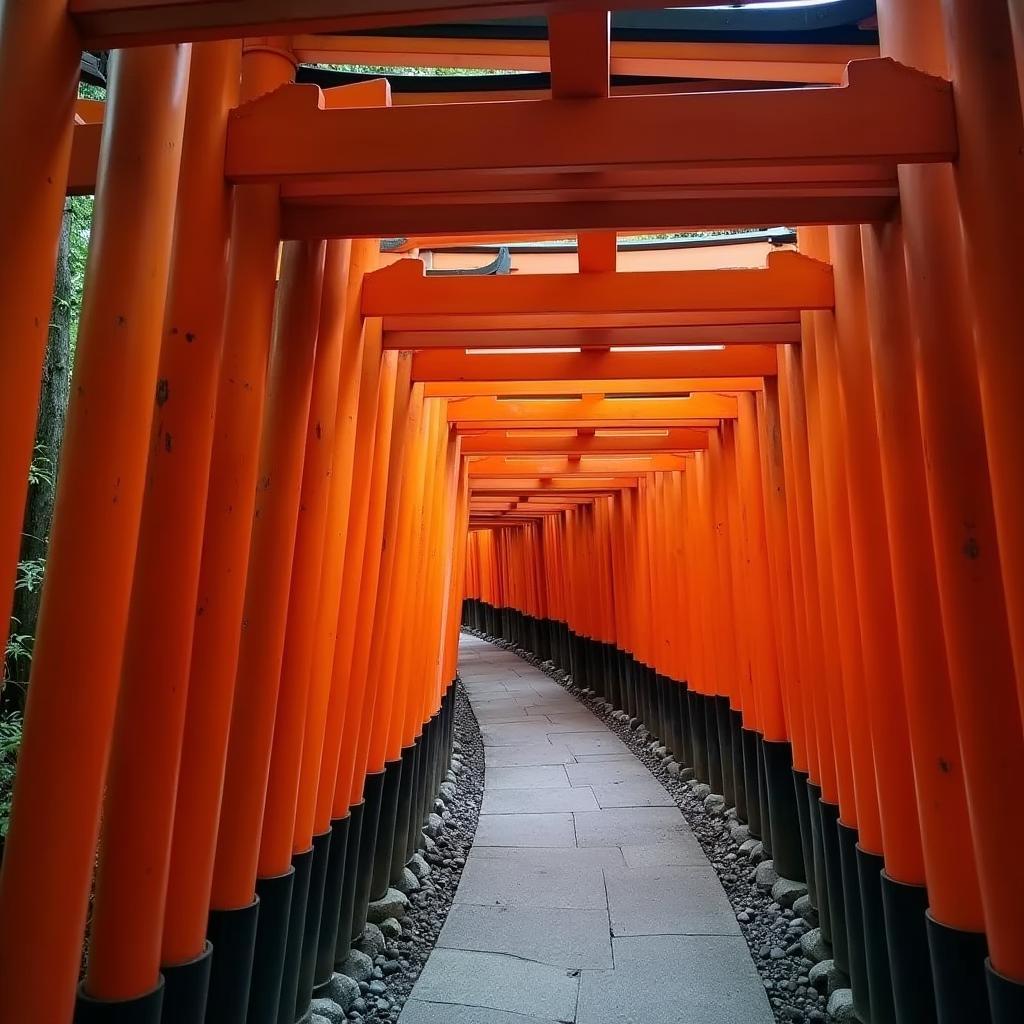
(400, 945)
(775, 934)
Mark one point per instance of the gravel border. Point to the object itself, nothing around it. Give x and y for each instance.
(786, 947)
(429, 882)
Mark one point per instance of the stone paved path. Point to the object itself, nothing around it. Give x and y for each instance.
(586, 897)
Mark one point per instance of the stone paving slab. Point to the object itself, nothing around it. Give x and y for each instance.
(537, 801)
(565, 859)
(526, 754)
(630, 793)
(499, 982)
(562, 938)
(668, 901)
(418, 1011)
(607, 772)
(553, 828)
(640, 826)
(675, 980)
(497, 882)
(586, 898)
(535, 776)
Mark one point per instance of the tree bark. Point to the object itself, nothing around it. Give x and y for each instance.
(53, 406)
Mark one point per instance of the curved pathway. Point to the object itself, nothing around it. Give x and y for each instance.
(586, 897)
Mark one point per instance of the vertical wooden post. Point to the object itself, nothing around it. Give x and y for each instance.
(989, 175)
(967, 548)
(226, 535)
(264, 622)
(39, 65)
(49, 857)
(952, 896)
(127, 925)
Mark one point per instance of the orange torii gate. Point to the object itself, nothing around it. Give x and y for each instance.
(772, 512)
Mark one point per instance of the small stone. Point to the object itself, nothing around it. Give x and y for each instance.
(433, 826)
(740, 834)
(383, 1005)
(393, 904)
(316, 1018)
(378, 988)
(840, 1005)
(418, 866)
(804, 908)
(357, 965)
(359, 1006)
(701, 790)
(786, 892)
(407, 883)
(661, 750)
(390, 967)
(756, 853)
(687, 774)
(343, 991)
(328, 1010)
(674, 769)
(451, 777)
(743, 917)
(777, 953)
(447, 792)
(714, 804)
(390, 928)
(765, 875)
(371, 942)
(815, 947)
(428, 842)
(634, 724)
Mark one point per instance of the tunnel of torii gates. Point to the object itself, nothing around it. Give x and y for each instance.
(763, 491)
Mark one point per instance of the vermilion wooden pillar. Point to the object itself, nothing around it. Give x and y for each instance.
(264, 623)
(127, 923)
(277, 852)
(975, 625)
(989, 175)
(39, 65)
(883, 684)
(952, 895)
(226, 535)
(49, 855)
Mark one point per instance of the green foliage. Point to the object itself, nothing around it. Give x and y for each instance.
(10, 742)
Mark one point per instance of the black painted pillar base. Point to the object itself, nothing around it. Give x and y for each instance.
(738, 776)
(855, 949)
(715, 780)
(800, 780)
(232, 933)
(403, 815)
(724, 720)
(958, 967)
(142, 1010)
(386, 829)
(275, 895)
(913, 987)
(820, 897)
(685, 735)
(185, 989)
(374, 792)
(787, 847)
(750, 784)
(346, 914)
(834, 883)
(302, 864)
(876, 938)
(762, 789)
(1005, 996)
(311, 925)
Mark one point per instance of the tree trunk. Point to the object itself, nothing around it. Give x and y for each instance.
(53, 406)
